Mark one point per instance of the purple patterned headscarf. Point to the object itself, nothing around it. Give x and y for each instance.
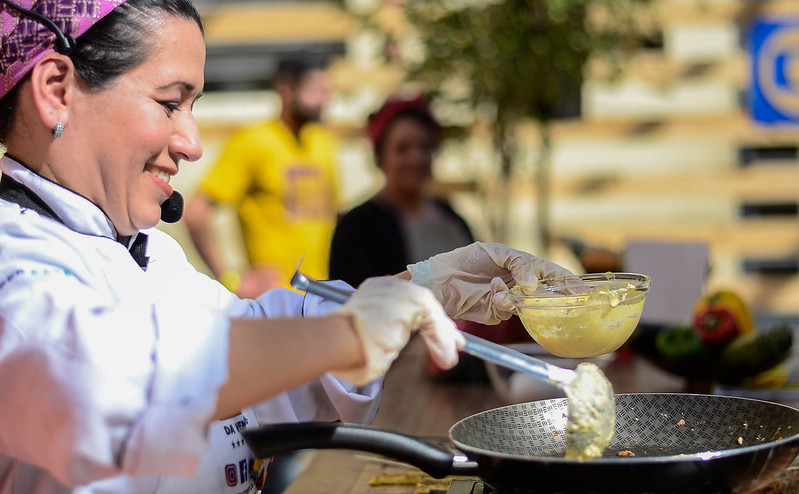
(25, 40)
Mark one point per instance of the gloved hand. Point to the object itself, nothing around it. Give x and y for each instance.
(472, 282)
(385, 311)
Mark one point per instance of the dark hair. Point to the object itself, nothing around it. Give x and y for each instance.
(418, 115)
(115, 44)
(292, 68)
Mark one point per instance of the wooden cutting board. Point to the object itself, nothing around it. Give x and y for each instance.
(345, 472)
(377, 478)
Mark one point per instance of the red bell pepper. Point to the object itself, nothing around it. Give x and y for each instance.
(716, 325)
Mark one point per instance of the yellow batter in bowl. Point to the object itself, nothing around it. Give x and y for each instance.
(573, 320)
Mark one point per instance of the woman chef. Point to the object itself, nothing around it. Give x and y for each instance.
(122, 369)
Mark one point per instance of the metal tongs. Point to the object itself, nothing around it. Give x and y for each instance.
(475, 346)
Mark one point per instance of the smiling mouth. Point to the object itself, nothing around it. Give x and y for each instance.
(160, 174)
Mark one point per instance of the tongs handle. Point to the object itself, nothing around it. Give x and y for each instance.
(476, 346)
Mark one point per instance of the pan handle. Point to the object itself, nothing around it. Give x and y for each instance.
(276, 439)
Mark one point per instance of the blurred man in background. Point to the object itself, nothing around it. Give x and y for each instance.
(281, 176)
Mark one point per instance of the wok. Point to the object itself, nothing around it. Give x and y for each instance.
(683, 443)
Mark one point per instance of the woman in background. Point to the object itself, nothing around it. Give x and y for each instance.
(404, 223)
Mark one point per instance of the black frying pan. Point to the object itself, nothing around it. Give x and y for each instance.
(682, 444)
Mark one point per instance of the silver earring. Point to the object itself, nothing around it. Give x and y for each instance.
(59, 129)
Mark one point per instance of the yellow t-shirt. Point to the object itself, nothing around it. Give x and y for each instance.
(286, 192)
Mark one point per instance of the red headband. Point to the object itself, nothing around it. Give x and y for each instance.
(382, 118)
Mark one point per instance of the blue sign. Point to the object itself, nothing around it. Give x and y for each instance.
(774, 91)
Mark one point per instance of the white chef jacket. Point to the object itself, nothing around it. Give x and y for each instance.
(109, 373)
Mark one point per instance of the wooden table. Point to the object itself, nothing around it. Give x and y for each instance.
(417, 405)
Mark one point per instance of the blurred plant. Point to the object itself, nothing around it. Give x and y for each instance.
(521, 59)
(511, 61)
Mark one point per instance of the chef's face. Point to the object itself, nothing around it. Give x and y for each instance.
(406, 157)
(135, 132)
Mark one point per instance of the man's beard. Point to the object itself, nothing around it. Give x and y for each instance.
(306, 115)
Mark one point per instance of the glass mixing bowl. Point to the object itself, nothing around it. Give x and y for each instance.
(575, 320)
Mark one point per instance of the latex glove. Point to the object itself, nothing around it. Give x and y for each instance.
(472, 282)
(386, 311)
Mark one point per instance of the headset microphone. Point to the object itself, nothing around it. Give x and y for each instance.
(172, 208)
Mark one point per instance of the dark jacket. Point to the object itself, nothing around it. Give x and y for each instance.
(368, 242)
